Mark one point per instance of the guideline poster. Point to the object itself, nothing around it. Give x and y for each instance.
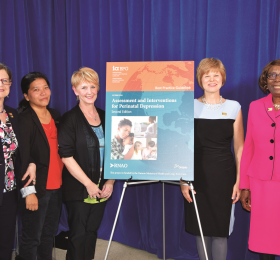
(149, 120)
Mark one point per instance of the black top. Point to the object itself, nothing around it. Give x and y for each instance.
(13, 117)
(35, 145)
(214, 170)
(76, 138)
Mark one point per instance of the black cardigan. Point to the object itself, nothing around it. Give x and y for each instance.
(72, 142)
(13, 118)
(35, 145)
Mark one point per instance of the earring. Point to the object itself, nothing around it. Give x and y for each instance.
(78, 98)
(7, 96)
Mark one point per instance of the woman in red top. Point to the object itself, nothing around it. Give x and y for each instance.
(41, 202)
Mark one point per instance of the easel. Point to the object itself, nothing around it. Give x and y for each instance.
(128, 182)
(185, 183)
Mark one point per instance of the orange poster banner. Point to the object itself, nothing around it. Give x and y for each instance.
(150, 76)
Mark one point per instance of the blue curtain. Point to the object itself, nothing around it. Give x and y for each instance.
(58, 37)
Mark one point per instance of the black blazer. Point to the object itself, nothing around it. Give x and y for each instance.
(13, 117)
(35, 145)
(74, 135)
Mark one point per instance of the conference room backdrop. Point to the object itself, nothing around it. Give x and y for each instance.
(58, 37)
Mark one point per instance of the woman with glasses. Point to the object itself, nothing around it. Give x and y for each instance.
(9, 167)
(41, 203)
(260, 166)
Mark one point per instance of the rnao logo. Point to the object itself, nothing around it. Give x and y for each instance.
(116, 68)
(118, 165)
(180, 167)
(124, 68)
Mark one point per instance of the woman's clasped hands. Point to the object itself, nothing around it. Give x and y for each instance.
(95, 192)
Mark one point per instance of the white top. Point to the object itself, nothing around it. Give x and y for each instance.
(228, 110)
(136, 156)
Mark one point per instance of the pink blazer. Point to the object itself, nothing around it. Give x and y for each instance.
(261, 152)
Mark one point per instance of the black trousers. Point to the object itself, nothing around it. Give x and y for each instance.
(267, 257)
(8, 212)
(84, 220)
(39, 227)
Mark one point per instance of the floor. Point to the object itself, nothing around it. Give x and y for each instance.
(117, 252)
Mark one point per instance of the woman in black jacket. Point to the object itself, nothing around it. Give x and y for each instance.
(41, 203)
(81, 147)
(9, 167)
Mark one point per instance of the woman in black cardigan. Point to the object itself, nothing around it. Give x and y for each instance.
(9, 167)
(41, 203)
(81, 147)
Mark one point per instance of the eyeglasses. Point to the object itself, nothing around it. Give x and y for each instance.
(6, 81)
(272, 75)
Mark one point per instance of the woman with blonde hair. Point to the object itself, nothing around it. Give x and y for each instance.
(137, 154)
(81, 147)
(217, 121)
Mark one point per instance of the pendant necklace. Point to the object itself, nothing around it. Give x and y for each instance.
(93, 117)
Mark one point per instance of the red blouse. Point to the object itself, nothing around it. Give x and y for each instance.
(55, 167)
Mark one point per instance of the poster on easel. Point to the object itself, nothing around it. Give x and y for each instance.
(149, 120)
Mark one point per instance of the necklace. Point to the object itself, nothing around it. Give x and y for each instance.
(46, 128)
(2, 110)
(276, 106)
(212, 106)
(89, 115)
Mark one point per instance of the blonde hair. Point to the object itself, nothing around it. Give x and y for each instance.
(85, 74)
(136, 145)
(208, 64)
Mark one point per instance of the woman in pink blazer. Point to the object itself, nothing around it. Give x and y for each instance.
(260, 166)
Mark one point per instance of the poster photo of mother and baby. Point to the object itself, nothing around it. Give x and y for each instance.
(134, 138)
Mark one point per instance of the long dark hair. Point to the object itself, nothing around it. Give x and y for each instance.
(25, 85)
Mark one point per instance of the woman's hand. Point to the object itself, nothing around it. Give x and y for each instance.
(185, 189)
(107, 189)
(31, 202)
(93, 190)
(31, 172)
(235, 193)
(246, 199)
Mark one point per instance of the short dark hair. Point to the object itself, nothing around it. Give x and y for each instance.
(151, 143)
(125, 122)
(6, 68)
(263, 76)
(25, 85)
